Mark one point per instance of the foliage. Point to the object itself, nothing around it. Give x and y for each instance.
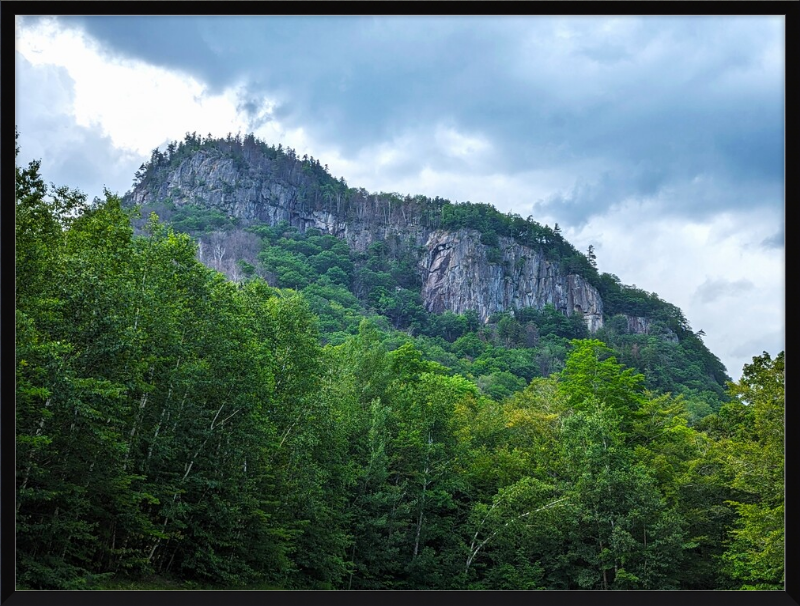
(756, 552)
(319, 430)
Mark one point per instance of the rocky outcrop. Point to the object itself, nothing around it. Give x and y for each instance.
(460, 274)
(638, 325)
(259, 191)
(211, 180)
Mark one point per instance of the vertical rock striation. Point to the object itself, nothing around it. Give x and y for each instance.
(458, 275)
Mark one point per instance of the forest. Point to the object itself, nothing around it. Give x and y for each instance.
(309, 426)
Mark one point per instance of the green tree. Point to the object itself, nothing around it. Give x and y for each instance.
(591, 256)
(592, 373)
(622, 534)
(756, 552)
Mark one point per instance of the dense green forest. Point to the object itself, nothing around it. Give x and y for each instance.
(309, 426)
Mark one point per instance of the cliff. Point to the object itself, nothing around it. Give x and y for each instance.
(458, 272)
(257, 189)
(638, 325)
(458, 276)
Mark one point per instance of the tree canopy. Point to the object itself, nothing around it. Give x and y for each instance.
(174, 424)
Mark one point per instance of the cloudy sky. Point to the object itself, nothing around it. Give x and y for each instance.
(659, 140)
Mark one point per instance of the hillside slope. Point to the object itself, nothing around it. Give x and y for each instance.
(457, 258)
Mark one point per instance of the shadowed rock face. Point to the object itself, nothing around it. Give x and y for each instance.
(638, 325)
(458, 276)
(257, 192)
(458, 272)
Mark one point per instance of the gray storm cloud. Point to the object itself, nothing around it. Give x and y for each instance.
(649, 102)
(711, 290)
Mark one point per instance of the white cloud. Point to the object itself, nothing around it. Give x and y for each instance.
(713, 289)
(73, 155)
(460, 145)
(675, 258)
(138, 106)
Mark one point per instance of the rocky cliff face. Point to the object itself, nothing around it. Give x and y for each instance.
(458, 276)
(638, 325)
(458, 272)
(259, 191)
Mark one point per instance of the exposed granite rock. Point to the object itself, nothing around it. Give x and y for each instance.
(459, 276)
(257, 193)
(638, 325)
(459, 273)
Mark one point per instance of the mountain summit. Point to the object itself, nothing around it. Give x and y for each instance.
(467, 256)
(462, 258)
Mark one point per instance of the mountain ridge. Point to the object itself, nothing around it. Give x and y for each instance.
(518, 262)
(255, 209)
